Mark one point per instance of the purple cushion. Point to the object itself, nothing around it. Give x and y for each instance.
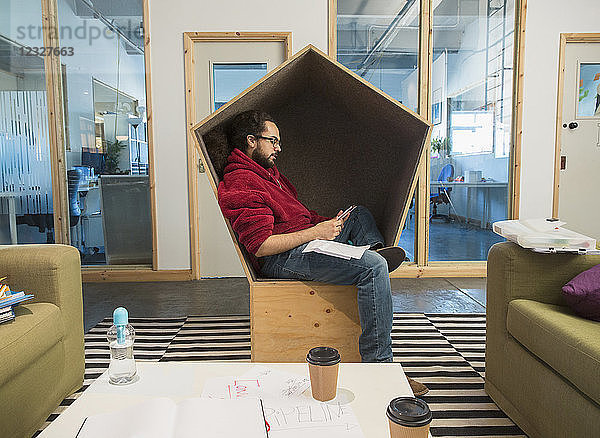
(582, 293)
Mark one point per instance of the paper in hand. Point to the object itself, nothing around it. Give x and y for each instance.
(336, 249)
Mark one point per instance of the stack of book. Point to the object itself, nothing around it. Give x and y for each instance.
(6, 314)
(9, 299)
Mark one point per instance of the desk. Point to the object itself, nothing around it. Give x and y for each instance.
(480, 185)
(373, 386)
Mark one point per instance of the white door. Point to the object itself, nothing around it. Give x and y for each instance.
(580, 140)
(222, 70)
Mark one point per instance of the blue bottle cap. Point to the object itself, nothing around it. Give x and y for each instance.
(120, 316)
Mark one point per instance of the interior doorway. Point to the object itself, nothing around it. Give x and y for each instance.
(578, 133)
(219, 66)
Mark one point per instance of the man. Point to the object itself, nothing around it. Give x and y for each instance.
(274, 227)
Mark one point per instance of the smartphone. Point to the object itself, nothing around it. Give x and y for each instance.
(347, 212)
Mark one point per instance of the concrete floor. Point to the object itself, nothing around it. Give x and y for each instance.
(438, 295)
(451, 241)
(230, 296)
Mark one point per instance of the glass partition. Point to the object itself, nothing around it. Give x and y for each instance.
(26, 208)
(379, 41)
(105, 130)
(472, 114)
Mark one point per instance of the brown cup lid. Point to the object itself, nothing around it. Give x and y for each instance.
(409, 411)
(323, 356)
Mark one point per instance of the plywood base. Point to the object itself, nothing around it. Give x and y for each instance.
(288, 318)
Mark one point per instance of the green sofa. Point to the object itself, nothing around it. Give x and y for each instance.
(41, 350)
(542, 361)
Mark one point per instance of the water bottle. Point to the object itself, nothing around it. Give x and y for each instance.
(121, 335)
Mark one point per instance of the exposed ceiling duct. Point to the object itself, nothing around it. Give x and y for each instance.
(386, 33)
(122, 17)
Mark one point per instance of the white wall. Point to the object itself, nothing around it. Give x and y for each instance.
(307, 20)
(545, 21)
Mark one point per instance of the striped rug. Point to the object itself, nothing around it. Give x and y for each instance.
(444, 351)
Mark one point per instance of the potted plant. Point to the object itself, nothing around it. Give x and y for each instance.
(112, 152)
(442, 146)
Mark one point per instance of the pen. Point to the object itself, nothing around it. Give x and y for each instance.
(79, 431)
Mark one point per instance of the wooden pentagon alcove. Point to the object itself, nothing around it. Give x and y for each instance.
(344, 142)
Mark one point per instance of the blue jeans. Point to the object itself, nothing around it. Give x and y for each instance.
(369, 273)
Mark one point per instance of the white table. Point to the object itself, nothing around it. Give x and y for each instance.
(373, 386)
(480, 185)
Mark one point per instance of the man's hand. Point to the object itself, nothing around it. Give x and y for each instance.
(278, 243)
(344, 219)
(329, 230)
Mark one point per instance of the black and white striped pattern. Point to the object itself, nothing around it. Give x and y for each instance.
(444, 351)
(211, 338)
(451, 362)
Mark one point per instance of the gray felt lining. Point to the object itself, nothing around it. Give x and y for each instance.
(343, 142)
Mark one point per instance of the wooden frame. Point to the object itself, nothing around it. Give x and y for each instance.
(441, 269)
(423, 267)
(564, 39)
(57, 138)
(332, 29)
(130, 274)
(423, 189)
(195, 163)
(53, 75)
(150, 133)
(517, 122)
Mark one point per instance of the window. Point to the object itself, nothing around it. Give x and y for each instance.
(379, 41)
(471, 106)
(26, 203)
(231, 79)
(588, 104)
(472, 68)
(104, 84)
(471, 132)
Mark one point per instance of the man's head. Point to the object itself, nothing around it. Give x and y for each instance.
(256, 134)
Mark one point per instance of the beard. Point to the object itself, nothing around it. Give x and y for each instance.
(264, 160)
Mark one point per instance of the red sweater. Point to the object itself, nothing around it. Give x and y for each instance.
(260, 202)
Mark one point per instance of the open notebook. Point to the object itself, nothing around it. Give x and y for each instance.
(194, 417)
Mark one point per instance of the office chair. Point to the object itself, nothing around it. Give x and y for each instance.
(74, 178)
(443, 193)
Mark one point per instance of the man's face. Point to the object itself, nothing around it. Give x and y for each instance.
(265, 153)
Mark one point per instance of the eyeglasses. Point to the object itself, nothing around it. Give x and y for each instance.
(274, 140)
